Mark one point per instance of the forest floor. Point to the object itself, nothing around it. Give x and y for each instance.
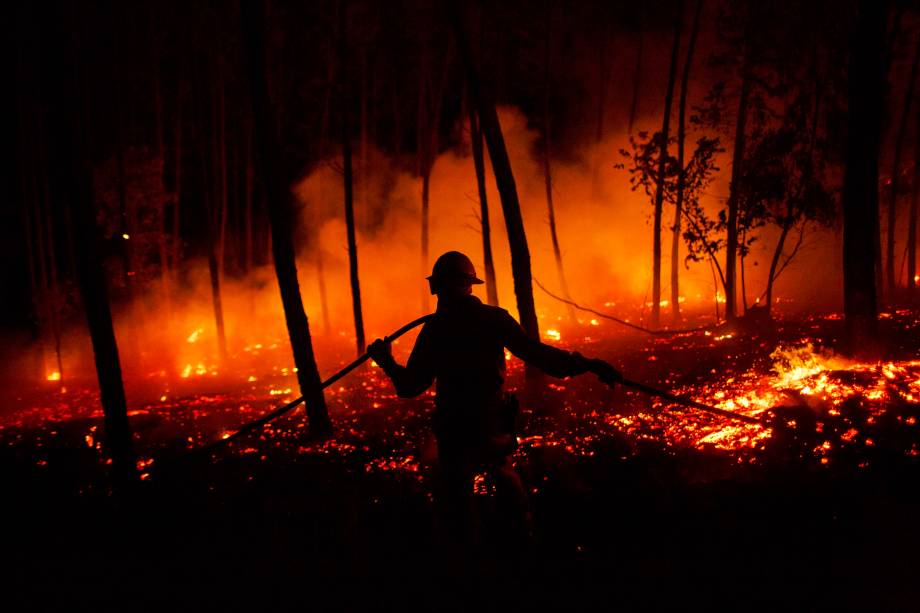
(638, 505)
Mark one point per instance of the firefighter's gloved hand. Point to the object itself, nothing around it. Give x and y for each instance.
(606, 372)
(381, 351)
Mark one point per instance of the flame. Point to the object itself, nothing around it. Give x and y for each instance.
(54, 376)
(193, 337)
(553, 334)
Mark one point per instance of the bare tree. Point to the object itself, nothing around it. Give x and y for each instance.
(890, 276)
(681, 177)
(281, 217)
(731, 233)
(637, 74)
(348, 177)
(504, 178)
(662, 160)
(479, 164)
(72, 189)
(912, 221)
(860, 188)
(547, 168)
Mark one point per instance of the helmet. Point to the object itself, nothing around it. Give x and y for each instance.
(453, 268)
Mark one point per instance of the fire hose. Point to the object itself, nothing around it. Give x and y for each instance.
(688, 402)
(604, 376)
(255, 425)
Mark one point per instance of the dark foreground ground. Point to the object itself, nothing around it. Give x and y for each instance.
(622, 524)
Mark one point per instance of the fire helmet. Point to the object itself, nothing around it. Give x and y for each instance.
(453, 268)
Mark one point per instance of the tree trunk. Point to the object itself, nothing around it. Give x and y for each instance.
(323, 299)
(860, 189)
(774, 262)
(741, 258)
(504, 178)
(637, 76)
(603, 77)
(321, 155)
(429, 153)
(362, 144)
(890, 277)
(247, 200)
(662, 163)
(547, 169)
(177, 201)
(348, 178)
(281, 216)
(681, 177)
(216, 301)
(912, 222)
(731, 246)
(72, 184)
(425, 257)
(479, 164)
(212, 206)
(222, 164)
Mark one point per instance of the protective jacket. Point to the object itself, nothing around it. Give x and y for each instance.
(462, 349)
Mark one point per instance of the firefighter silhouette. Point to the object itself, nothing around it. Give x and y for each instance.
(462, 348)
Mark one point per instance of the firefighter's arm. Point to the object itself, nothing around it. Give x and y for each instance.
(552, 360)
(409, 380)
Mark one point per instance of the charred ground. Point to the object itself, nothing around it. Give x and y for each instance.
(636, 502)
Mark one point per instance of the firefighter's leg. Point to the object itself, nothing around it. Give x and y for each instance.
(454, 500)
(513, 503)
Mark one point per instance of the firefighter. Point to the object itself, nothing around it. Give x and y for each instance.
(462, 348)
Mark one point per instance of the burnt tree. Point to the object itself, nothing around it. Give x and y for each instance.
(479, 164)
(662, 164)
(547, 167)
(912, 221)
(682, 176)
(734, 186)
(348, 178)
(637, 73)
(68, 157)
(268, 162)
(504, 178)
(890, 276)
(860, 186)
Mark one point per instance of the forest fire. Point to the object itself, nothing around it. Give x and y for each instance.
(352, 296)
(799, 375)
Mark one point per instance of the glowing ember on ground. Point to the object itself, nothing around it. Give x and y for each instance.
(845, 401)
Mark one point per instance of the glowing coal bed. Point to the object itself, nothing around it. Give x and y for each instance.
(818, 409)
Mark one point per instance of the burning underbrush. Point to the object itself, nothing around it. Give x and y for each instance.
(817, 410)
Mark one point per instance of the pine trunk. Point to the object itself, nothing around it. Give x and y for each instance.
(662, 163)
(72, 184)
(479, 164)
(860, 189)
(348, 178)
(731, 246)
(281, 217)
(681, 178)
(637, 79)
(547, 167)
(774, 262)
(504, 178)
(890, 277)
(912, 222)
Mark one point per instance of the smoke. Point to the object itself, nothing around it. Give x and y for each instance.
(604, 230)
